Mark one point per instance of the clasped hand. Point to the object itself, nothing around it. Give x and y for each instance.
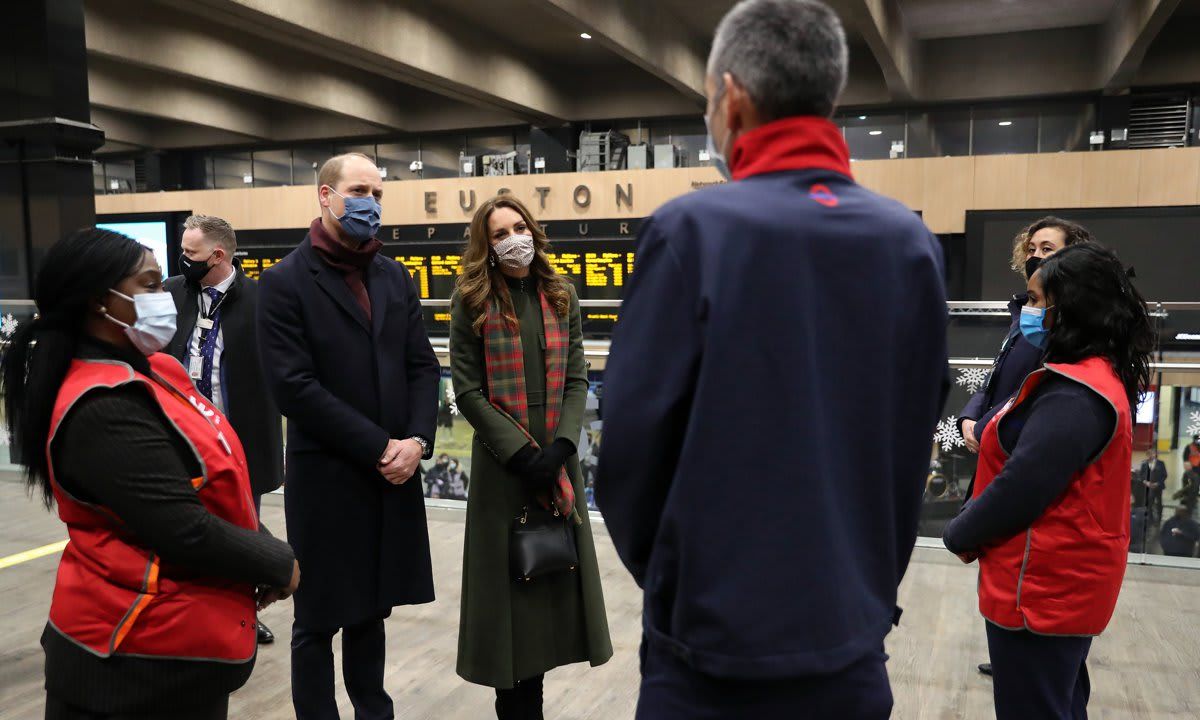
(399, 461)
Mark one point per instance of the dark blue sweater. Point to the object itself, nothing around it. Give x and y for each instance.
(765, 320)
(1049, 438)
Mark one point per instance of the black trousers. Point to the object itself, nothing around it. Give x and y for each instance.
(1038, 677)
(362, 669)
(217, 710)
(673, 690)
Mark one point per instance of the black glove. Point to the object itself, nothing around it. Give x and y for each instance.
(554, 457)
(524, 464)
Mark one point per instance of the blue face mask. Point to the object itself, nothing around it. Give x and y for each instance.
(1033, 326)
(361, 220)
(717, 159)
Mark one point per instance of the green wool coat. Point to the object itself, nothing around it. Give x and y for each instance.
(511, 631)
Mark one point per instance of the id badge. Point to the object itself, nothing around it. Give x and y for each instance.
(204, 324)
(196, 367)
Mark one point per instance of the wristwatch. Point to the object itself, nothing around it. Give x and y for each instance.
(423, 443)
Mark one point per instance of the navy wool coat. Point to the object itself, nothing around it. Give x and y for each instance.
(346, 385)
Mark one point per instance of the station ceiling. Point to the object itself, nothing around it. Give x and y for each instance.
(169, 74)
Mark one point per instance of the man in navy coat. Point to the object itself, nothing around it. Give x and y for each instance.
(346, 357)
(766, 321)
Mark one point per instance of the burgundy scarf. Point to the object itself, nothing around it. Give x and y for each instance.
(795, 143)
(350, 262)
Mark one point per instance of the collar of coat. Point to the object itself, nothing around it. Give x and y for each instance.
(795, 143)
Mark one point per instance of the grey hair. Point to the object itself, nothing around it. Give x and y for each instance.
(789, 55)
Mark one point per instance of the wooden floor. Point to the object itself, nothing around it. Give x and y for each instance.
(1147, 667)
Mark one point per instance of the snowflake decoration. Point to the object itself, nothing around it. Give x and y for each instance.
(1194, 423)
(450, 400)
(947, 434)
(8, 325)
(972, 378)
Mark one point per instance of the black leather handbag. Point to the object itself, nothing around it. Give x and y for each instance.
(542, 542)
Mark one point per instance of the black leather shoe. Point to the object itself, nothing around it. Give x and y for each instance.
(265, 636)
(986, 669)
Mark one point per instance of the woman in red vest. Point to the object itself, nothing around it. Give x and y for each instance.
(1049, 516)
(154, 606)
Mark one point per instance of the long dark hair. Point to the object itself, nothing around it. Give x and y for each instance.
(76, 273)
(479, 282)
(1097, 311)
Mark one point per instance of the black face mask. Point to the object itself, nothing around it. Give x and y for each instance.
(194, 270)
(1031, 266)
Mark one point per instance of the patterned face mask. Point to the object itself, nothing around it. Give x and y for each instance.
(515, 251)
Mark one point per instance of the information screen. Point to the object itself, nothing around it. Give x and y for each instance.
(599, 269)
(151, 234)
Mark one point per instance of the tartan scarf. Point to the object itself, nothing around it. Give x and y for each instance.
(504, 360)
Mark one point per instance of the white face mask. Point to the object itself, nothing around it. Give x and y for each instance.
(515, 251)
(155, 324)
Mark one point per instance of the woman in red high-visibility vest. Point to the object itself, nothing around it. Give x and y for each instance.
(1049, 517)
(154, 606)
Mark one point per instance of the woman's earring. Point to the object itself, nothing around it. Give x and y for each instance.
(492, 260)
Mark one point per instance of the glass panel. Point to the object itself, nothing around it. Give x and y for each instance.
(98, 178)
(1165, 478)
(1066, 127)
(395, 160)
(122, 178)
(874, 137)
(306, 162)
(439, 153)
(1000, 131)
(939, 133)
(272, 168)
(232, 170)
(12, 314)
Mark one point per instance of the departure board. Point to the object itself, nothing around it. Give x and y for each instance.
(599, 269)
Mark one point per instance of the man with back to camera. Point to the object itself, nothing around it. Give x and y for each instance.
(217, 342)
(346, 357)
(770, 586)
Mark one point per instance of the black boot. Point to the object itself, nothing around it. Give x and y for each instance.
(508, 704)
(531, 691)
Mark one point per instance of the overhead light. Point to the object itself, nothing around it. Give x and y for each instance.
(585, 36)
(1005, 123)
(875, 132)
(1187, 336)
(248, 178)
(862, 117)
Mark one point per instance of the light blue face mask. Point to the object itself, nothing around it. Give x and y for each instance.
(717, 158)
(1033, 326)
(362, 218)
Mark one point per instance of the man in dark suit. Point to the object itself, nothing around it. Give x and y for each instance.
(217, 342)
(346, 357)
(1152, 475)
(771, 585)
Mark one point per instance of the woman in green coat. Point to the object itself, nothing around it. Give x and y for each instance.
(520, 379)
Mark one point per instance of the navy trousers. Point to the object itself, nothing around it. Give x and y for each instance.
(672, 690)
(1039, 677)
(362, 669)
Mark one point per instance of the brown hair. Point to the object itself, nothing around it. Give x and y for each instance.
(215, 230)
(1074, 232)
(331, 171)
(480, 282)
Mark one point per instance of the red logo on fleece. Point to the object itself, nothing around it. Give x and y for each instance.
(823, 195)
